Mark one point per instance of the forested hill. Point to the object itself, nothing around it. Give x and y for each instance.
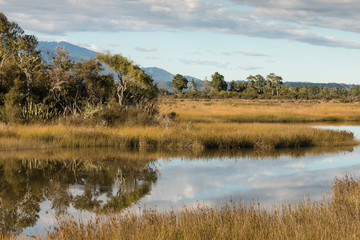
(330, 85)
(161, 77)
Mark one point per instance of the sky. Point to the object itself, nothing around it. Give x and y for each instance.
(300, 40)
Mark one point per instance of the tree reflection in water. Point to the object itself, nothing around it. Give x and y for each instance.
(25, 184)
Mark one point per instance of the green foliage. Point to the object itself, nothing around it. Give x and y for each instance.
(99, 87)
(133, 84)
(218, 82)
(179, 82)
(14, 99)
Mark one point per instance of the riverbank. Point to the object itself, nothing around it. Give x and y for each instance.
(187, 136)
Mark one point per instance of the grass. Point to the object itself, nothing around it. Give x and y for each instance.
(337, 217)
(198, 126)
(191, 136)
(260, 111)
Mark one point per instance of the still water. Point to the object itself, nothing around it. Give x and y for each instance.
(37, 187)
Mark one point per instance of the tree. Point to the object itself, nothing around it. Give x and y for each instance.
(9, 33)
(206, 88)
(276, 82)
(258, 82)
(133, 84)
(63, 88)
(233, 86)
(179, 82)
(99, 87)
(217, 82)
(194, 86)
(28, 59)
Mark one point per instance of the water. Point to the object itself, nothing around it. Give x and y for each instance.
(36, 187)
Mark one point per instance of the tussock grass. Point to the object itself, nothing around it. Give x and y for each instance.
(260, 111)
(194, 137)
(337, 217)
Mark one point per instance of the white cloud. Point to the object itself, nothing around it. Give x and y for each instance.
(277, 19)
(218, 63)
(249, 68)
(146, 49)
(252, 54)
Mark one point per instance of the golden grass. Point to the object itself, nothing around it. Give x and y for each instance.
(259, 111)
(194, 137)
(335, 218)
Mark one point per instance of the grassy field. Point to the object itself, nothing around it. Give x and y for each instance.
(336, 217)
(259, 111)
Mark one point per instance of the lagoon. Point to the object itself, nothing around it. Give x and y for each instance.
(39, 187)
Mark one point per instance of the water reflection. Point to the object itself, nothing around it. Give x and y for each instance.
(37, 187)
(101, 186)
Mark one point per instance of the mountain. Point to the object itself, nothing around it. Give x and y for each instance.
(76, 53)
(163, 78)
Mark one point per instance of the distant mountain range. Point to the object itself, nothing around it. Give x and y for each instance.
(76, 53)
(161, 77)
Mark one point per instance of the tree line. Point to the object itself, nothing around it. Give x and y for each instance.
(33, 90)
(258, 87)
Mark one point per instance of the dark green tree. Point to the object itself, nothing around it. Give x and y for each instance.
(99, 87)
(233, 86)
(218, 82)
(179, 82)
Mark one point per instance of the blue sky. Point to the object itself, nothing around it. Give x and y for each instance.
(313, 41)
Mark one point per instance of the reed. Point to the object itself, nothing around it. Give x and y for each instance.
(336, 217)
(190, 136)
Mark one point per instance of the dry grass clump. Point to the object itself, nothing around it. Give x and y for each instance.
(335, 218)
(197, 136)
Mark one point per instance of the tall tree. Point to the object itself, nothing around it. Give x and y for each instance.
(99, 87)
(233, 86)
(133, 84)
(276, 82)
(28, 59)
(218, 82)
(63, 88)
(258, 82)
(194, 86)
(179, 82)
(9, 33)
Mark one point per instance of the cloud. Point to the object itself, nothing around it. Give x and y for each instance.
(252, 54)
(218, 63)
(145, 49)
(277, 19)
(249, 68)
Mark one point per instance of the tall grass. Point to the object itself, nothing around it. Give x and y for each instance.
(197, 136)
(259, 111)
(337, 217)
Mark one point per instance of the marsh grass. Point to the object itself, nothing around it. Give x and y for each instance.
(242, 111)
(336, 217)
(193, 137)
